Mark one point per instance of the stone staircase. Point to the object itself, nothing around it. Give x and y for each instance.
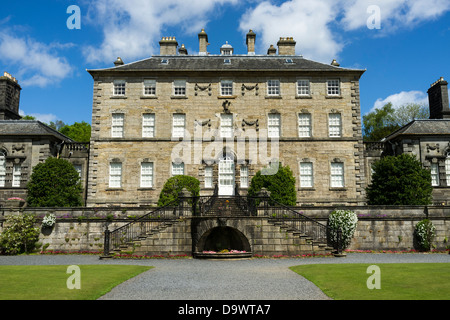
(225, 206)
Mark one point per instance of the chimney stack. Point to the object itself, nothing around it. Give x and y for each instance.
(203, 43)
(272, 50)
(168, 46)
(183, 51)
(9, 97)
(438, 100)
(250, 41)
(286, 46)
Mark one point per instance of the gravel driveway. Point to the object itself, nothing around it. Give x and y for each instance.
(192, 279)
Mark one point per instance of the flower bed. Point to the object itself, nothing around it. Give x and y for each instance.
(223, 254)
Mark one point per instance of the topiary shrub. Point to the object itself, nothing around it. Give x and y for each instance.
(346, 221)
(19, 235)
(173, 187)
(280, 184)
(424, 234)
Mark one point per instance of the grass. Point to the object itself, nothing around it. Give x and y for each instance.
(50, 282)
(402, 281)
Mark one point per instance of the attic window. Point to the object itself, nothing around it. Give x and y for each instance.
(290, 61)
(227, 61)
(164, 61)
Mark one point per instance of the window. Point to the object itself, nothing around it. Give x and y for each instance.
(273, 87)
(117, 125)
(304, 125)
(146, 175)
(119, 87)
(2, 168)
(274, 125)
(226, 125)
(148, 125)
(208, 177)
(150, 87)
(334, 124)
(115, 175)
(447, 171)
(244, 177)
(306, 174)
(337, 175)
(178, 125)
(17, 173)
(434, 174)
(177, 169)
(303, 88)
(333, 88)
(78, 168)
(226, 88)
(179, 87)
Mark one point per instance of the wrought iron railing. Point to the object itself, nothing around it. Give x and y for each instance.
(205, 204)
(142, 226)
(246, 204)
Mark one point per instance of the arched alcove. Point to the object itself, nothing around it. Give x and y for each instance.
(220, 238)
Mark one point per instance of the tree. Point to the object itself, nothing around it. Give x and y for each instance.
(79, 131)
(54, 183)
(379, 123)
(174, 186)
(399, 180)
(382, 122)
(281, 185)
(19, 235)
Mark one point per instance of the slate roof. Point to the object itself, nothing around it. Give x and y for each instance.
(237, 63)
(29, 128)
(422, 127)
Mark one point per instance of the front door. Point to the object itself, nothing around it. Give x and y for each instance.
(226, 176)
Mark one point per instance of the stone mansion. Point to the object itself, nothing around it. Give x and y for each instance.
(221, 117)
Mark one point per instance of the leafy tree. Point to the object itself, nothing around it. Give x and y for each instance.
(399, 180)
(28, 118)
(379, 123)
(54, 183)
(19, 235)
(57, 125)
(409, 112)
(281, 185)
(175, 185)
(79, 131)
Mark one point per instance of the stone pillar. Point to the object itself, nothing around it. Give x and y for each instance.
(264, 196)
(185, 208)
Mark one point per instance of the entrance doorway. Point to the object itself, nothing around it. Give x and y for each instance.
(226, 176)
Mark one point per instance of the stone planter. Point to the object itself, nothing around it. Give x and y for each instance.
(217, 255)
(14, 203)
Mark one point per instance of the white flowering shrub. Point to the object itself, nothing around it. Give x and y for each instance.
(425, 232)
(19, 235)
(346, 221)
(49, 221)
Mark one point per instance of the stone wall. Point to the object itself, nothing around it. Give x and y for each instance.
(379, 228)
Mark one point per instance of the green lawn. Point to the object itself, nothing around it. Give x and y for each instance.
(402, 281)
(50, 282)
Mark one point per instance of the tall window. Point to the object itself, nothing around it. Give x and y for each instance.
(303, 88)
(119, 87)
(447, 170)
(226, 88)
(274, 123)
(179, 122)
(226, 125)
(177, 168)
(179, 87)
(337, 175)
(244, 177)
(146, 175)
(78, 168)
(150, 87)
(2, 168)
(304, 125)
(306, 174)
(434, 174)
(208, 177)
(17, 173)
(117, 125)
(334, 124)
(115, 175)
(333, 87)
(273, 87)
(148, 125)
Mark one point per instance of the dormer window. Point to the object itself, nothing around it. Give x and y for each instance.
(226, 49)
(164, 61)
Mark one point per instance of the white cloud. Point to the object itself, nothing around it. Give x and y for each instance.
(318, 26)
(402, 98)
(132, 28)
(46, 118)
(37, 63)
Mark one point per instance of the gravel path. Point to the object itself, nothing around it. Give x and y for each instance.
(191, 279)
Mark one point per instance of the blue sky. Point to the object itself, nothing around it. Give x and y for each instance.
(403, 57)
